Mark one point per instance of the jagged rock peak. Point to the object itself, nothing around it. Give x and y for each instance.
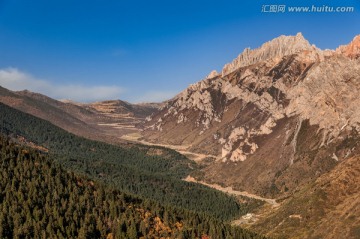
(212, 74)
(351, 50)
(278, 47)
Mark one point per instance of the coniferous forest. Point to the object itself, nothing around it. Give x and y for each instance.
(41, 200)
(71, 187)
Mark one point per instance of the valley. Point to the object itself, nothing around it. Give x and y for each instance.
(99, 211)
(182, 149)
(271, 144)
(152, 174)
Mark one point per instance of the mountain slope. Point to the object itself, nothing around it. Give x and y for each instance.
(117, 117)
(150, 172)
(333, 199)
(105, 121)
(114, 107)
(39, 199)
(275, 118)
(69, 117)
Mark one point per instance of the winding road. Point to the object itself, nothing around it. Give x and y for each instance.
(197, 157)
(229, 190)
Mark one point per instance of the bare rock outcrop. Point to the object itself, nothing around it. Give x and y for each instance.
(212, 74)
(351, 50)
(275, 49)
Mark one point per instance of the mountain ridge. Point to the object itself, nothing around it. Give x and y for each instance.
(276, 48)
(105, 121)
(280, 121)
(270, 121)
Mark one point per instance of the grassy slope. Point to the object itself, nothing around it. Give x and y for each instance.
(326, 208)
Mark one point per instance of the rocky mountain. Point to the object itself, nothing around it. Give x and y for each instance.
(276, 117)
(273, 50)
(352, 50)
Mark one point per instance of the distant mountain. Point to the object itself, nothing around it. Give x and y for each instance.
(96, 120)
(120, 108)
(276, 117)
(67, 116)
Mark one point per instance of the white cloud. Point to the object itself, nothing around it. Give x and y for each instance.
(14, 79)
(156, 96)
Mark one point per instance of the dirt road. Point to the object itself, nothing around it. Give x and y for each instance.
(229, 190)
(179, 148)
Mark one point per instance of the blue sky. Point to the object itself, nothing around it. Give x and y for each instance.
(145, 50)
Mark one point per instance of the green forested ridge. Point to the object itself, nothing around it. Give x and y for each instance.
(38, 199)
(130, 170)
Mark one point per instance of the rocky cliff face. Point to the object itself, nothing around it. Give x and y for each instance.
(273, 50)
(352, 50)
(274, 114)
